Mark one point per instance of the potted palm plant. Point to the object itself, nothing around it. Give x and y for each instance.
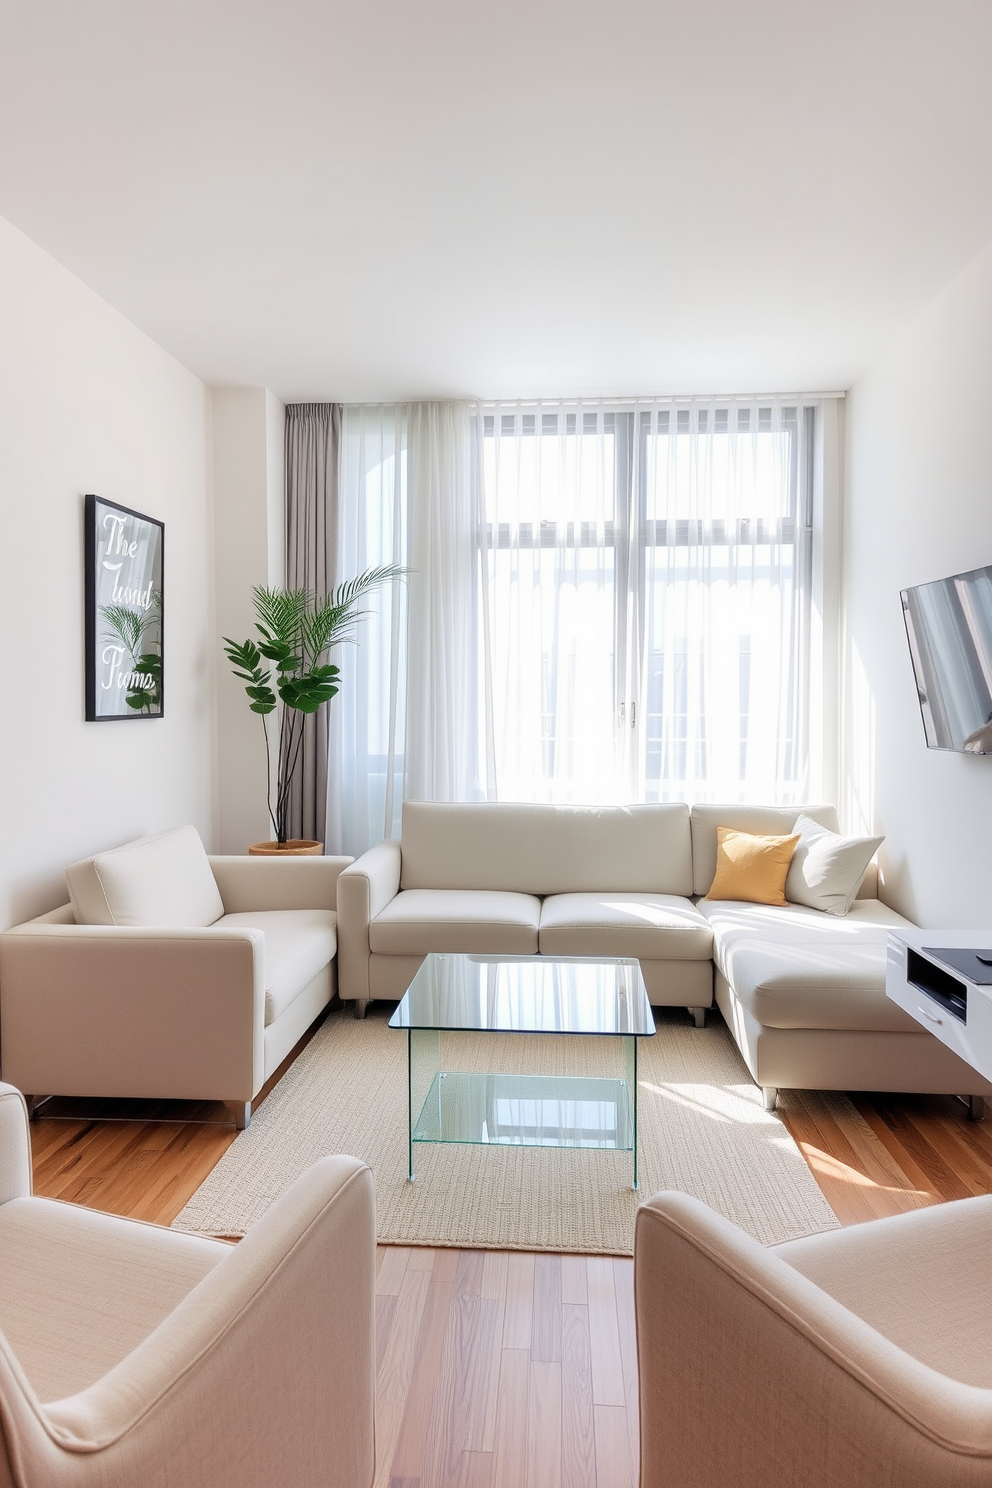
(286, 673)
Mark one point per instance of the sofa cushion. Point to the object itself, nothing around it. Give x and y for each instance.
(164, 880)
(538, 849)
(762, 821)
(751, 868)
(831, 986)
(737, 926)
(655, 927)
(483, 922)
(298, 944)
(826, 870)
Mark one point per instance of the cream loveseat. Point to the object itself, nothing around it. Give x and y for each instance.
(803, 991)
(170, 974)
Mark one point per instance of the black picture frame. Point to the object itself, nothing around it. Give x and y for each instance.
(124, 602)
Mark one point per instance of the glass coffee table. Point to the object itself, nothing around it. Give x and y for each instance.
(527, 994)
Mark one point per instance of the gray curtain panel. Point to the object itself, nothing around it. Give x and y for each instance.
(313, 446)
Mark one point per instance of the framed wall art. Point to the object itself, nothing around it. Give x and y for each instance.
(124, 575)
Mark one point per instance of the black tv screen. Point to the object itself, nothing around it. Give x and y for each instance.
(949, 625)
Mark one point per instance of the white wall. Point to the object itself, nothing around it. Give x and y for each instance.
(248, 426)
(918, 506)
(89, 403)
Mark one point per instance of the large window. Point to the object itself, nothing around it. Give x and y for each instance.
(646, 604)
(605, 602)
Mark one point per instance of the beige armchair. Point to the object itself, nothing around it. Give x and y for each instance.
(860, 1358)
(170, 975)
(133, 1355)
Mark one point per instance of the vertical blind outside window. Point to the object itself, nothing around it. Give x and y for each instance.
(647, 574)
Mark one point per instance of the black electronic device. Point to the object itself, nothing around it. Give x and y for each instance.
(927, 977)
(975, 965)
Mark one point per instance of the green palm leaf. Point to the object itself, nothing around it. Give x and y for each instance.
(295, 631)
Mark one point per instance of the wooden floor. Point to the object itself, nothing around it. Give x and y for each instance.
(499, 1369)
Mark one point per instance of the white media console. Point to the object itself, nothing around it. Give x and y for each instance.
(943, 979)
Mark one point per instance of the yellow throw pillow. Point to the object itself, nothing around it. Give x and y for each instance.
(751, 868)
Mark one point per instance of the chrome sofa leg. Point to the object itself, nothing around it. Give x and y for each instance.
(770, 1096)
(361, 1003)
(242, 1113)
(33, 1102)
(698, 1017)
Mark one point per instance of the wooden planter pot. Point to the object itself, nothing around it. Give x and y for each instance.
(296, 847)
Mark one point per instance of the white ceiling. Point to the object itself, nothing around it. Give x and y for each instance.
(367, 199)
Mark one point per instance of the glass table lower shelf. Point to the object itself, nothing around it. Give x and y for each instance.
(458, 995)
(526, 1111)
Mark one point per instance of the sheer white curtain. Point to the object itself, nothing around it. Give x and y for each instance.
(405, 723)
(368, 716)
(554, 557)
(442, 741)
(607, 601)
(647, 598)
(722, 525)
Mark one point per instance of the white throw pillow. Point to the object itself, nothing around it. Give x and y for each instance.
(826, 870)
(156, 881)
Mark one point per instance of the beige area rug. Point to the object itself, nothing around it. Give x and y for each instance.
(703, 1129)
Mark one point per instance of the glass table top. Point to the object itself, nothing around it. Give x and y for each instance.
(527, 994)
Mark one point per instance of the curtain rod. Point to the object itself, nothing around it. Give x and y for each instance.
(793, 397)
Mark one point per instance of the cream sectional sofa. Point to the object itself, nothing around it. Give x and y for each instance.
(505, 879)
(170, 974)
(802, 991)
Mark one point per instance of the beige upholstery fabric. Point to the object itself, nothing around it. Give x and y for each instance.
(537, 849)
(737, 926)
(15, 1154)
(809, 1392)
(661, 927)
(79, 1290)
(298, 944)
(767, 821)
(277, 883)
(790, 986)
(686, 984)
(389, 976)
(845, 1059)
(107, 1010)
(826, 870)
(89, 903)
(364, 890)
(923, 1280)
(187, 1013)
(284, 1032)
(260, 1369)
(421, 920)
(159, 880)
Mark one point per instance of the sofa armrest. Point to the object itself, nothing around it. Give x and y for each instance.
(15, 1146)
(715, 1308)
(364, 890)
(264, 1373)
(277, 883)
(126, 1011)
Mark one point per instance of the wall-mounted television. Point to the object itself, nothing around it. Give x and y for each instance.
(949, 625)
